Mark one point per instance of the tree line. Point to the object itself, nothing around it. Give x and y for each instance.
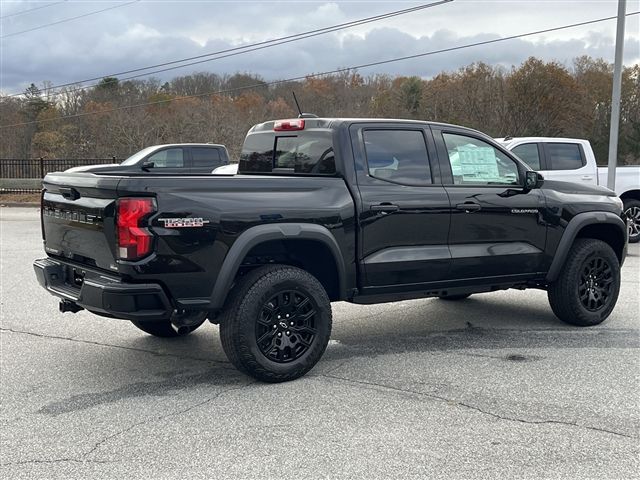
(535, 98)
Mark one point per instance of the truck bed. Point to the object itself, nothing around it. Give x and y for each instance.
(79, 222)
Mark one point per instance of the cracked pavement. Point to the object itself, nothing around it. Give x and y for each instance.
(492, 387)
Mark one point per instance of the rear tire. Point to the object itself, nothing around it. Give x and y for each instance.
(587, 288)
(166, 329)
(276, 323)
(632, 211)
(453, 298)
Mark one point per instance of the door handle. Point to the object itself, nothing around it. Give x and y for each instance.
(469, 207)
(384, 207)
(587, 177)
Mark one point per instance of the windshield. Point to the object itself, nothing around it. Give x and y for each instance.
(136, 157)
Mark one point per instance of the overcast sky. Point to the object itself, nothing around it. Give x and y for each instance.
(154, 31)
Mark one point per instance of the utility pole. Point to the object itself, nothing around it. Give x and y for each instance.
(615, 97)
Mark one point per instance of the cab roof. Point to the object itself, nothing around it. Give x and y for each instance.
(331, 123)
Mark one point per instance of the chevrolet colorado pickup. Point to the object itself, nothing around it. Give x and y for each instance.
(325, 210)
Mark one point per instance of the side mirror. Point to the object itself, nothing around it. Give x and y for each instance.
(532, 180)
(147, 165)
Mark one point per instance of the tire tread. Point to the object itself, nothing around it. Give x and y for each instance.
(561, 293)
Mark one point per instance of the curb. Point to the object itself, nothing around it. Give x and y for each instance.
(19, 204)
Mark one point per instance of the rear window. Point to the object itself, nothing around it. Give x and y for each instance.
(306, 153)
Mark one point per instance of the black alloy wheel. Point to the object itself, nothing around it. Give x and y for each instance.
(286, 327)
(596, 282)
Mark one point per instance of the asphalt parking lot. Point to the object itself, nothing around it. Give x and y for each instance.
(491, 387)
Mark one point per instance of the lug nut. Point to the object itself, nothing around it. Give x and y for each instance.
(287, 315)
(288, 332)
(291, 323)
(279, 317)
(279, 334)
(275, 326)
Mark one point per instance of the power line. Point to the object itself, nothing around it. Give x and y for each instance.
(246, 48)
(64, 20)
(31, 9)
(331, 72)
(261, 45)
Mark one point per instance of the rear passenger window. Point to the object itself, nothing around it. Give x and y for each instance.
(529, 153)
(205, 157)
(564, 156)
(398, 156)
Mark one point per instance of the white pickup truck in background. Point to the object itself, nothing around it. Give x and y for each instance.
(572, 160)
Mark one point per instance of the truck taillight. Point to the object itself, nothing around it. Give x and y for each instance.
(288, 125)
(134, 240)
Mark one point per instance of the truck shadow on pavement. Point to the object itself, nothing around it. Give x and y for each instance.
(477, 325)
(173, 382)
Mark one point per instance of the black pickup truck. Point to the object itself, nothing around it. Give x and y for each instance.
(323, 210)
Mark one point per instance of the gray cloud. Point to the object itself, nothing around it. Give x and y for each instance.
(154, 32)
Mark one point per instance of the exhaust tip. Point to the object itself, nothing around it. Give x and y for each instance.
(182, 330)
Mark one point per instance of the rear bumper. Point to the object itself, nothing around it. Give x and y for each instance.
(101, 293)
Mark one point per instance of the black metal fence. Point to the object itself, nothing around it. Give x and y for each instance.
(39, 167)
(18, 191)
(15, 169)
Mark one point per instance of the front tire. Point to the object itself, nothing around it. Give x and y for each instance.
(632, 212)
(276, 324)
(587, 288)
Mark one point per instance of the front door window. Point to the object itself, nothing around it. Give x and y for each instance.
(168, 158)
(476, 162)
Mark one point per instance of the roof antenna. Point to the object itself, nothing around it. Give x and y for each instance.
(300, 114)
(295, 99)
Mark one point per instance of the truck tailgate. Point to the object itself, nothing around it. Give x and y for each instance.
(78, 213)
